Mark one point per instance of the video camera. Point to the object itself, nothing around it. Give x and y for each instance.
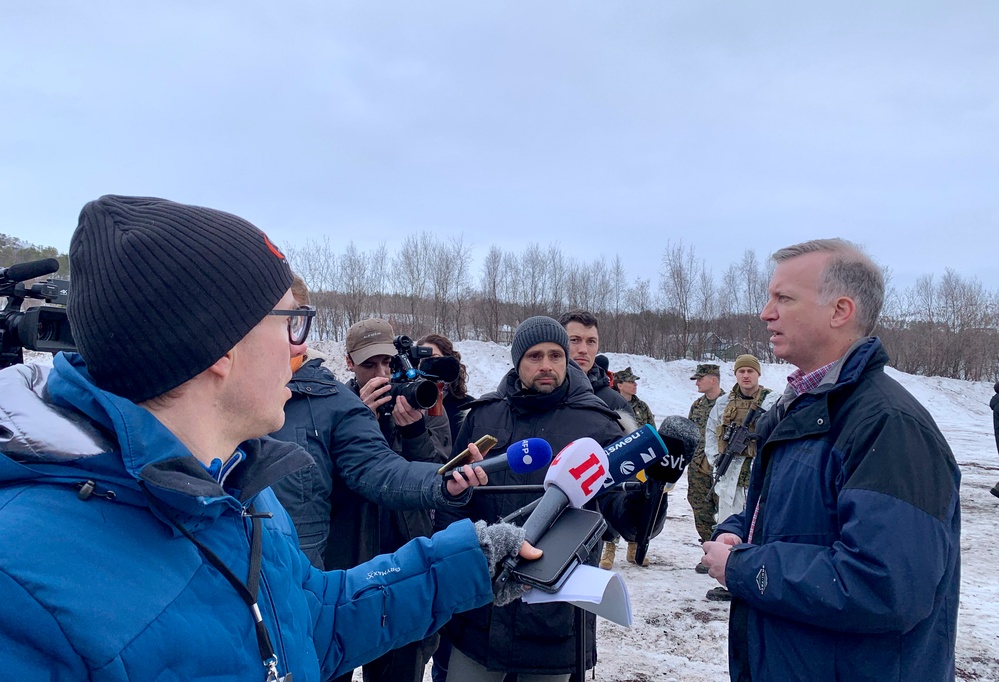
(44, 328)
(415, 374)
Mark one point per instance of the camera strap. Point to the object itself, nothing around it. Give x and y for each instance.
(247, 591)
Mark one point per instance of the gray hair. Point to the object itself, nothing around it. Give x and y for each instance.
(849, 272)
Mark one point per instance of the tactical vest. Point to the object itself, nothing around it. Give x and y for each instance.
(735, 413)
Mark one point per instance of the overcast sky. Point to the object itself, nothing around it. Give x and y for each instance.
(606, 127)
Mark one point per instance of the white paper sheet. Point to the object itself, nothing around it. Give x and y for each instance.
(593, 589)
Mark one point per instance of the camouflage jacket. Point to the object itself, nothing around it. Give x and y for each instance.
(699, 412)
(643, 415)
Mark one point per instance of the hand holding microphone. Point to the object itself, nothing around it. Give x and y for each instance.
(522, 457)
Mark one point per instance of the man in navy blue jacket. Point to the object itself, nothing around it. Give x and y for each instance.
(845, 564)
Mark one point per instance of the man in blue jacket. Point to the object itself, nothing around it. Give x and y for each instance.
(140, 537)
(845, 564)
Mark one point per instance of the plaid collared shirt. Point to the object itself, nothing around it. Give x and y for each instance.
(803, 383)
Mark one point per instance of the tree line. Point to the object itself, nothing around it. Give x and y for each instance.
(947, 326)
(14, 250)
(940, 326)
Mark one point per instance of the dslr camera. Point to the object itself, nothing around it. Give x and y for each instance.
(44, 328)
(419, 388)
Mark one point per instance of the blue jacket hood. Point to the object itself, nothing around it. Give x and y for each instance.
(130, 448)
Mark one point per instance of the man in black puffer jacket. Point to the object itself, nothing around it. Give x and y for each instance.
(584, 345)
(544, 396)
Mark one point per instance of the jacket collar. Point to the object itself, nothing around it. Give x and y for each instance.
(138, 448)
(866, 354)
(312, 379)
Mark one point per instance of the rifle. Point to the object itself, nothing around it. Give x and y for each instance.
(737, 439)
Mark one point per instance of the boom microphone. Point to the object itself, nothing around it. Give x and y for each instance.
(522, 457)
(30, 270)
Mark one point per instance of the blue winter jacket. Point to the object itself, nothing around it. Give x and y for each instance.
(853, 568)
(97, 586)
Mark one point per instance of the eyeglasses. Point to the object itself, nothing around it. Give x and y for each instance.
(299, 322)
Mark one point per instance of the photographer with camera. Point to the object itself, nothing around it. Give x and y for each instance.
(379, 361)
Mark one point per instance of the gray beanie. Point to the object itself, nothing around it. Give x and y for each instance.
(535, 330)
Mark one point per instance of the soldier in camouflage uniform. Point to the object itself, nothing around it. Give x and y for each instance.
(624, 382)
(699, 471)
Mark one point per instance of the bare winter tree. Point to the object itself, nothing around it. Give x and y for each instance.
(534, 271)
(619, 289)
(354, 284)
(317, 264)
(410, 274)
(677, 285)
(490, 288)
(378, 279)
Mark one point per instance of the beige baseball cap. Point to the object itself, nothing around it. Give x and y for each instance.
(369, 338)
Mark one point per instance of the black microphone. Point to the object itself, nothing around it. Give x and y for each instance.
(445, 369)
(521, 457)
(30, 270)
(682, 438)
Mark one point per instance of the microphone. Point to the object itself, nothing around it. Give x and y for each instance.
(634, 453)
(522, 457)
(682, 437)
(574, 478)
(30, 270)
(445, 369)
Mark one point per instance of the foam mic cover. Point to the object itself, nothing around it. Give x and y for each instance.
(573, 478)
(633, 453)
(446, 369)
(522, 457)
(30, 270)
(682, 438)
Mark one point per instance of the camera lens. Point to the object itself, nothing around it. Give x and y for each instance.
(421, 393)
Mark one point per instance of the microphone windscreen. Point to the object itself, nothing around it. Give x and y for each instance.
(677, 431)
(32, 269)
(446, 369)
(681, 437)
(529, 455)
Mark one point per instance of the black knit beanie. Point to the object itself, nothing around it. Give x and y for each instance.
(161, 290)
(535, 330)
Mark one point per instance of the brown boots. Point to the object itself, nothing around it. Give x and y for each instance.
(607, 558)
(632, 550)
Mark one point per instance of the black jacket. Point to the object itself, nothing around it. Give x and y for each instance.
(524, 637)
(354, 472)
(600, 383)
(455, 409)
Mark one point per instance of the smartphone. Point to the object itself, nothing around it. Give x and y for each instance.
(484, 444)
(566, 545)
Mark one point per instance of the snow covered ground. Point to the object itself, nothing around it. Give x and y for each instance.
(677, 634)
